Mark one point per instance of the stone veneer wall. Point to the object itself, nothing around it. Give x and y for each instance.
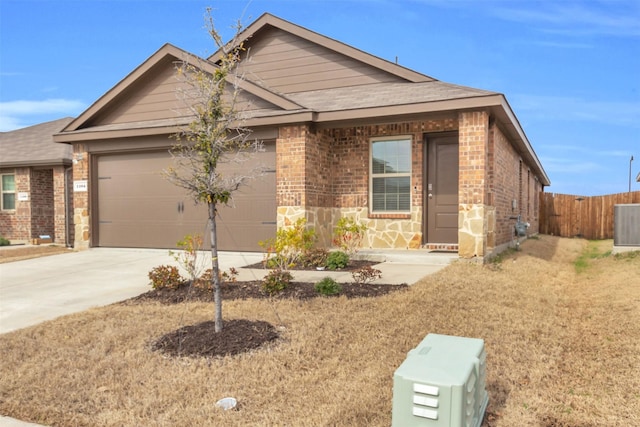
(381, 233)
(81, 199)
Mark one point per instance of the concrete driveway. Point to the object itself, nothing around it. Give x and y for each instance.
(39, 289)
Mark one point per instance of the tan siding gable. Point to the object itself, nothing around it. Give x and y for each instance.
(287, 63)
(155, 97)
(151, 97)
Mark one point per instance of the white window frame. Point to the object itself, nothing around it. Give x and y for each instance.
(3, 191)
(372, 175)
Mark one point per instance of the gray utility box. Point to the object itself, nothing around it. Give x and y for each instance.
(441, 383)
(626, 225)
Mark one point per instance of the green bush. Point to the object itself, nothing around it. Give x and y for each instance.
(328, 287)
(165, 276)
(4, 242)
(276, 281)
(337, 260)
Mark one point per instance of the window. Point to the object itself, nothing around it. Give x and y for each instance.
(8, 192)
(390, 184)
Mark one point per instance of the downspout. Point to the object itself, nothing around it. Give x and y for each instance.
(67, 222)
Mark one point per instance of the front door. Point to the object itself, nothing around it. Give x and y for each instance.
(441, 188)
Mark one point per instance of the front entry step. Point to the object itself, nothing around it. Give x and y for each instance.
(442, 247)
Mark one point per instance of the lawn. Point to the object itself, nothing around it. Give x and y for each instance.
(563, 349)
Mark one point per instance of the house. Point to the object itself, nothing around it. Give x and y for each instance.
(35, 176)
(421, 162)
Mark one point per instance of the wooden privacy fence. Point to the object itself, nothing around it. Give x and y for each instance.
(567, 215)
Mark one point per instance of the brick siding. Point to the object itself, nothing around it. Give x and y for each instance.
(44, 212)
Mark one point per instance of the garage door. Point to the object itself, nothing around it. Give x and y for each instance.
(139, 208)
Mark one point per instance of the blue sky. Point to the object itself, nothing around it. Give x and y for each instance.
(569, 69)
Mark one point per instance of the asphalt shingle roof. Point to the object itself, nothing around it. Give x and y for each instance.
(34, 145)
(383, 95)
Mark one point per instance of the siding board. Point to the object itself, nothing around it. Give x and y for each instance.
(290, 64)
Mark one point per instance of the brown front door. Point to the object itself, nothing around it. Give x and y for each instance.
(441, 188)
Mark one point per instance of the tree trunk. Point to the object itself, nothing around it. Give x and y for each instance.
(215, 268)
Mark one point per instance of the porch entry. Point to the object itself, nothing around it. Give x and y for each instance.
(440, 201)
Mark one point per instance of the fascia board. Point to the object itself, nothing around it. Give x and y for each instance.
(36, 163)
(99, 134)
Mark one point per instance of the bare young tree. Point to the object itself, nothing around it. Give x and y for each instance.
(216, 135)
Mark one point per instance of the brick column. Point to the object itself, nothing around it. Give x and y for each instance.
(472, 188)
(60, 212)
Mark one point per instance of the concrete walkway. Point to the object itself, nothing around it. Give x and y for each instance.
(40, 289)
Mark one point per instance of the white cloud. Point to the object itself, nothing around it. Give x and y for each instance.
(570, 166)
(578, 18)
(566, 108)
(57, 105)
(21, 113)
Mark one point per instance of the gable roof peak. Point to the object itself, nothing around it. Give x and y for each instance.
(268, 20)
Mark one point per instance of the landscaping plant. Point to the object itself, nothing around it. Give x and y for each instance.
(348, 235)
(328, 287)
(276, 281)
(315, 258)
(188, 256)
(366, 274)
(337, 260)
(289, 246)
(165, 276)
(215, 136)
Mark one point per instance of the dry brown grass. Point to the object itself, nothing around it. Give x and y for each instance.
(562, 350)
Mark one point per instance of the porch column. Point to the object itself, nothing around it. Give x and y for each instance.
(81, 198)
(472, 188)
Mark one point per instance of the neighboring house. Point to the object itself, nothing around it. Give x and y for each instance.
(35, 176)
(423, 163)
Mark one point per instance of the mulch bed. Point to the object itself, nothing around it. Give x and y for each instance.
(240, 335)
(253, 289)
(201, 340)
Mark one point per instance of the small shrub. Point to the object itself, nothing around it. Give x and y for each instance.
(204, 281)
(4, 242)
(315, 258)
(366, 275)
(337, 260)
(348, 235)
(188, 256)
(328, 287)
(289, 245)
(230, 276)
(276, 281)
(165, 276)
